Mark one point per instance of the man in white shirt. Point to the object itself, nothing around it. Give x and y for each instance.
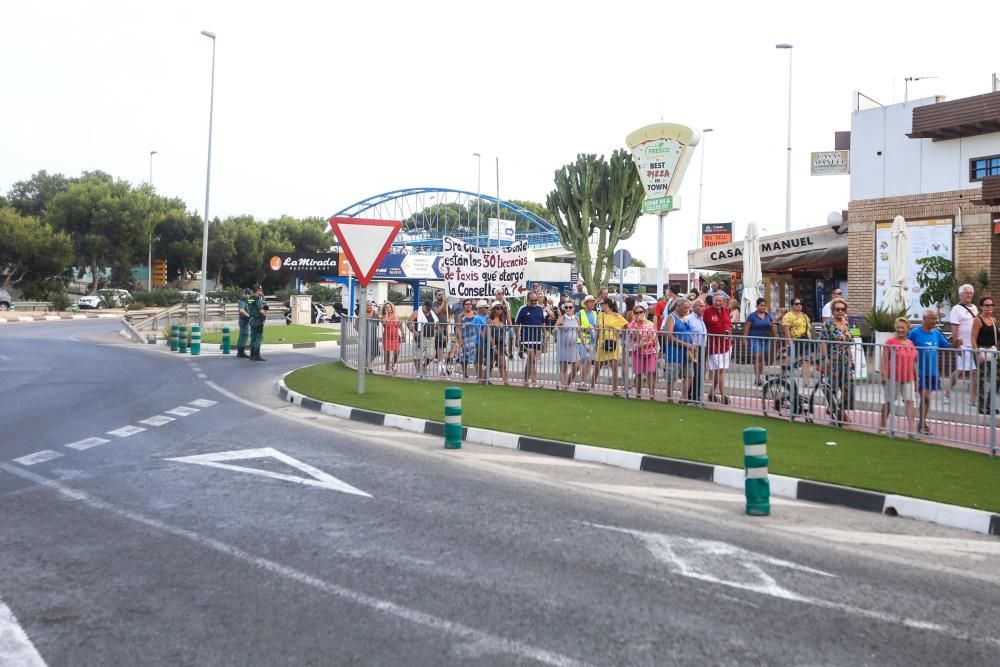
(837, 294)
(699, 337)
(961, 318)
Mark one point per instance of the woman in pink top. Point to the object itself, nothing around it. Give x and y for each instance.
(899, 372)
(642, 339)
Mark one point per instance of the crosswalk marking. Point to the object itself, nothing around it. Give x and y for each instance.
(126, 431)
(182, 411)
(37, 457)
(158, 420)
(203, 403)
(81, 445)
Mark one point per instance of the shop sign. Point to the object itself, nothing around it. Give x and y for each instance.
(661, 153)
(716, 233)
(830, 163)
(301, 263)
(798, 243)
(928, 238)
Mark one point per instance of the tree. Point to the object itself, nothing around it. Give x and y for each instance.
(594, 196)
(936, 277)
(32, 197)
(31, 251)
(638, 262)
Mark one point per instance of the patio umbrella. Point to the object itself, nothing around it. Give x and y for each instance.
(752, 277)
(894, 298)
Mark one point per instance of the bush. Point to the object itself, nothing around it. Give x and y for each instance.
(324, 294)
(232, 295)
(60, 300)
(158, 298)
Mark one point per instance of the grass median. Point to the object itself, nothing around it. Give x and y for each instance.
(282, 333)
(862, 460)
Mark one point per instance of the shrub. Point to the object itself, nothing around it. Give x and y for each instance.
(60, 300)
(883, 319)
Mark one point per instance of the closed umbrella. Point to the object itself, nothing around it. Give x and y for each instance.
(894, 298)
(752, 277)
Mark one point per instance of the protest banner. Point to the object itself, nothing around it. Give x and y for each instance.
(470, 271)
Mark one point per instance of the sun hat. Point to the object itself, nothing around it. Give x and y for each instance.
(589, 297)
(482, 304)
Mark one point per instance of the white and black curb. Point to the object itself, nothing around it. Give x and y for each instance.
(267, 347)
(978, 521)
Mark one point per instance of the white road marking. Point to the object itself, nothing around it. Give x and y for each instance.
(943, 545)
(16, 648)
(37, 457)
(195, 368)
(81, 445)
(729, 565)
(182, 411)
(202, 403)
(126, 431)
(158, 420)
(202, 376)
(319, 478)
(527, 458)
(4, 357)
(485, 641)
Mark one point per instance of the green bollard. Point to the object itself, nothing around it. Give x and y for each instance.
(756, 485)
(195, 340)
(453, 418)
(226, 344)
(173, 337)
(182, 339)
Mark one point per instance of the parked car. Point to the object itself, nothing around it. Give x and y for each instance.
(6, 302)
(90, 301)
(190, 296)
(115, 298)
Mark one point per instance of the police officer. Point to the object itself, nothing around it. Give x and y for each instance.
(244, 307)
(258, 313)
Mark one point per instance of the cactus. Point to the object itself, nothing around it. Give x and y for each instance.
(596, 196)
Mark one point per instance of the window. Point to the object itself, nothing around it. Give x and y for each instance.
(981, 167)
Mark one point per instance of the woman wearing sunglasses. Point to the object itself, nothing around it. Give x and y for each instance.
(838, 352)
(642, 342)
(984, 341)
(567, 327)
(798, 329)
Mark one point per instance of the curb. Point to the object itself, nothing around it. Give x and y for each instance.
(954, 516)
(267, 347)
(56, 318)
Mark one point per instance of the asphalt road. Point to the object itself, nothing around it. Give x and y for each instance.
(352, 544)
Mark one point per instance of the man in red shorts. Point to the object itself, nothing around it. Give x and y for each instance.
(720, 343)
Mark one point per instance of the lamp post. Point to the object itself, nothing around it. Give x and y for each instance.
(788, 168)
(479, 200)
(208, 183)
(701, 182)
(149, 264)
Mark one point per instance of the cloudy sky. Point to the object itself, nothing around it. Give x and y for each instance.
(319, 105)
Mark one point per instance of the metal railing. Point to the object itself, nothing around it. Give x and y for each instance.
(919, 393)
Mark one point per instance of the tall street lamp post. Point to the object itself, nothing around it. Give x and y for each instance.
(208, 183)
(149, 265)
(701, 181)
(788, 167)
(479, 201)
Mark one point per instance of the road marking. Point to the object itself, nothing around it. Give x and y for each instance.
(943, 545)
(182, 411)
(688, 494)
(37, 457)
(729, 565)
(319, 478)
(158, 420)
(202, 376)
(126, 431)
(4, 357)
(487, 643)
(81, 445)
(195, 368)
(15, 646)
(516, 459)
(202, 403)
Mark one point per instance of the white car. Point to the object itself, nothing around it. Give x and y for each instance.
(190, 296)
(115, 298)
(92, 301)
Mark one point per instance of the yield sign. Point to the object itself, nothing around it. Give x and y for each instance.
(364, 242)
(316, 476)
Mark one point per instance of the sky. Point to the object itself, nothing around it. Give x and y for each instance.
(320, 105)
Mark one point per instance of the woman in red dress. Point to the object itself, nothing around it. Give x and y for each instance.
(390, 337)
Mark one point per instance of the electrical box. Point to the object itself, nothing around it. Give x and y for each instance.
(301, 308)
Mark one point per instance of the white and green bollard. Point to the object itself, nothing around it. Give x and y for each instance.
(453, 418)
(756, 485)
(195, 340)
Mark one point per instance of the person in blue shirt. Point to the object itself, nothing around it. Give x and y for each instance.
(928, 339)
(760, 327)
(529, 324)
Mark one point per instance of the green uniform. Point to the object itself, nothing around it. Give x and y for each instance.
(241, 342)
(257, 317)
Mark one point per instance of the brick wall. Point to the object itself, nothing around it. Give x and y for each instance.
(975, 247)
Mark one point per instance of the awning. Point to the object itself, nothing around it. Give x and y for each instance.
(814, 248)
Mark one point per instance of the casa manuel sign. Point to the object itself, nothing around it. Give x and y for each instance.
(766, 248)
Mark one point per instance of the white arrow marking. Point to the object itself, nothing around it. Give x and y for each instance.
(15, 647)
(319, 478)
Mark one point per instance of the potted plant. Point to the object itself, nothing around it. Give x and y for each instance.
(883, 323)
(936, 278)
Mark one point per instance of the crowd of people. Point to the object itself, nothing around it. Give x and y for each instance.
(683, 344)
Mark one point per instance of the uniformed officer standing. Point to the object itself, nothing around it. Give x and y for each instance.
(244, 306)
(258, 313)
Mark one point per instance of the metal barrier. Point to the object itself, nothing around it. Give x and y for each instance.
(902, 391)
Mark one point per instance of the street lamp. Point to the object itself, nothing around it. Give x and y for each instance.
(479, 200)
(149, 265)
(788, 168)
(208, 183)
(701, 181)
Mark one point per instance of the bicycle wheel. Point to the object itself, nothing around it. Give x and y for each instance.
(826, 396)
(778, 399)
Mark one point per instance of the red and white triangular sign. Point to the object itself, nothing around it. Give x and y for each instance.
(365, 242)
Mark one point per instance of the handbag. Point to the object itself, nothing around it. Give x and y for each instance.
(610, 345)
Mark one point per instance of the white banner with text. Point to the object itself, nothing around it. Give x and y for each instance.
(470, 271)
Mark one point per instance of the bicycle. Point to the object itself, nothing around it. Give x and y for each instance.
(783, 398)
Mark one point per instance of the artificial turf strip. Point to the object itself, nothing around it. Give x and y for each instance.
(862, 460)
(291, 333)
